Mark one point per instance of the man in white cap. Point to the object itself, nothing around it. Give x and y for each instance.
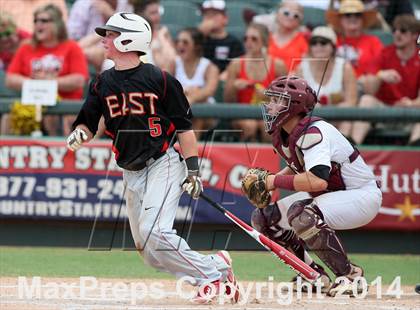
(220, 46)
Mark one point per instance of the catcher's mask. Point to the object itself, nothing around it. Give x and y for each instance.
(286, 97)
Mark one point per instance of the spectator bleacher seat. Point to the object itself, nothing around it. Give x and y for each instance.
(235, 10)
(385, 37)
(313, 17)
(4, 91)
(183, 13)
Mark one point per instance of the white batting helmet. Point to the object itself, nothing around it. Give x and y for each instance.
(135, 32)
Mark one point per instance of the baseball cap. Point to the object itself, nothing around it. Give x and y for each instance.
(219, 5)
(325, 32)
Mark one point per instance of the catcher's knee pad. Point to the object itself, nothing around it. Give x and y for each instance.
(263, 219)
(308, 222)
(267, 222)
(304, 217)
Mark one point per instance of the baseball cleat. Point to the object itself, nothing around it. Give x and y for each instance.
(208, 292)
(347, 287)
(232, 287)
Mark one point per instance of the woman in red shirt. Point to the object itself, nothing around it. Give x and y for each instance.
(249, 75)
(288, 43)
(49, 56)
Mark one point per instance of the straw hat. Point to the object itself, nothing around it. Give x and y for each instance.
(348, 7)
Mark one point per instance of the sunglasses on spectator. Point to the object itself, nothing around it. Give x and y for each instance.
(348, 15)
(319, 41)
(288, 13)
(6, 33)
(252, 38)
(401, 30)
(42, 20)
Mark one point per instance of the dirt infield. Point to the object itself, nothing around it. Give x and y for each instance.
(111, 294)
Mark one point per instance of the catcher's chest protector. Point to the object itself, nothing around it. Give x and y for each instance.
(290, 150)
(303, 138)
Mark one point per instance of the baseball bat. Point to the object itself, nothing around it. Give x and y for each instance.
(276, 249)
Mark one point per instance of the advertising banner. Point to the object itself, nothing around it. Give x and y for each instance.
(42, 179)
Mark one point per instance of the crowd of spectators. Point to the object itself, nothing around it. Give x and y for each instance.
(342, 60)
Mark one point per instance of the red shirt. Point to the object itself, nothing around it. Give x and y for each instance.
(360, 52)
(6, 56)
(291, 53)
(246, 95)
(410, 76)
(65, 58)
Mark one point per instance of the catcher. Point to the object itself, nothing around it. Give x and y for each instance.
(335, 188)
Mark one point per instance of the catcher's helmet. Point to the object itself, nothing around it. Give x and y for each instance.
(287, 96)
(135, 32)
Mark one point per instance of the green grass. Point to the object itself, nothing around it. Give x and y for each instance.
(256, 266)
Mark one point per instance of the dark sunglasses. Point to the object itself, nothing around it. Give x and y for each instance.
(290, 14)
(319, 41)
(42, 20)
(7, 33)
(252, 38)
(348, 15)
(401, 30)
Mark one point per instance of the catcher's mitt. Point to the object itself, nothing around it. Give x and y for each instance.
(253, 186)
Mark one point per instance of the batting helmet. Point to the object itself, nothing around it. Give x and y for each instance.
(135, 32)
(288, 96)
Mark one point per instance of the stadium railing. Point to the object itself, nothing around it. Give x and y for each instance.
(232, 111)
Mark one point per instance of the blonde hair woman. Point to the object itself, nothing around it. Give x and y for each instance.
(50, 56)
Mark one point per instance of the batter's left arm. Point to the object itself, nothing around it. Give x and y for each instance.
(188, 143)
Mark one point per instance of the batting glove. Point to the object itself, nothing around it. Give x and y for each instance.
(192, 184)
(76, 138)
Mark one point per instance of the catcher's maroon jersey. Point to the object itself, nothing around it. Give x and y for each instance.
(139, 115)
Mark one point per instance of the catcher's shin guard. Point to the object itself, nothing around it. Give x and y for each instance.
(266, 221)
(308, 222)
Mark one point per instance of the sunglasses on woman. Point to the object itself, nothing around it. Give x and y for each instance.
(401, 30)
(252, 38)
(42, 20)
(288, 13)
(348, 15)
(319, 41)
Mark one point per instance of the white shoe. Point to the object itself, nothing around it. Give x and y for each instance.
(207, 293)
(346, 287)
(230, 282)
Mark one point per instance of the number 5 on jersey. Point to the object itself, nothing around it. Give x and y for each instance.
(135, 107)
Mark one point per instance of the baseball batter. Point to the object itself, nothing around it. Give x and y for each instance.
(335, 188)
(145, 111)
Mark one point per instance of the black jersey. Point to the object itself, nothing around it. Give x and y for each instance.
(142, 107)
